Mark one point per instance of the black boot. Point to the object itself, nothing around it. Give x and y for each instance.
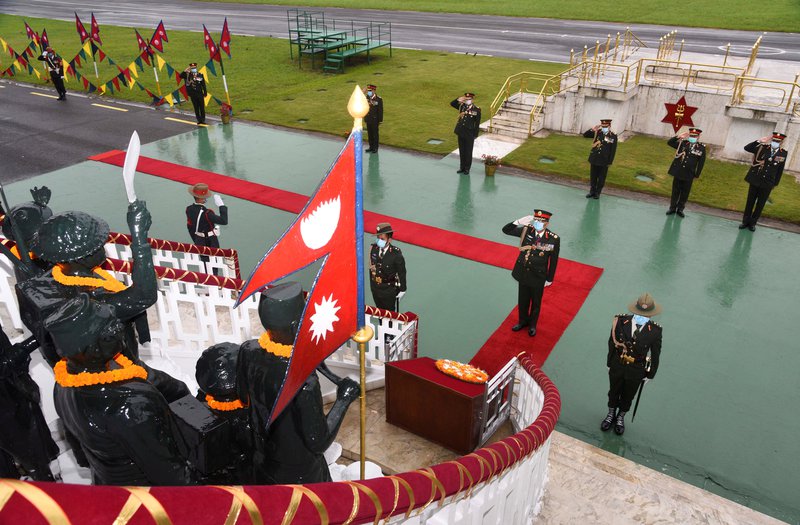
(619, 424)
(609, 420)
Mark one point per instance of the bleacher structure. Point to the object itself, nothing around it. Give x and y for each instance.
(331, 42)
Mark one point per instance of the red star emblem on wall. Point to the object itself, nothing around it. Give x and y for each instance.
(679, 114)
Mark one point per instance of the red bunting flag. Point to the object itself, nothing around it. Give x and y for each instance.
(225, 39)
(45, 41)
(95, 30)
(213, 51)
(102, 55)
(81, 30)
(140, 41)
(31, 33)
(324, 231)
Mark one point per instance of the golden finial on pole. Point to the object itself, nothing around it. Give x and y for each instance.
(362, 337)
(358, 107)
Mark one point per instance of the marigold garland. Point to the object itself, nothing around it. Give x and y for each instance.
(462, 371)
(274, 348)
(15, 251)
(128, 371)
(106, 280)
(224, 406)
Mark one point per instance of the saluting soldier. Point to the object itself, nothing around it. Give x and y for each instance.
(634, 348)
(387, 270)
(467, 127)
(690, 155)
(202, 221)
(56, 68)
(195, 84)
(374, 117)
(604, 147)
(769, 158)
(536, 265)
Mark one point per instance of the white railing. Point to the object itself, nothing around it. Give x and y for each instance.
(499, 395)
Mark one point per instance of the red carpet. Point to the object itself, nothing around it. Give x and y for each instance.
(561, 301)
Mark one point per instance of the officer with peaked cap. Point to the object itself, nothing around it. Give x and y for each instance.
(196, 89)
(374, 118)
(467, 129)
(604, 148)
(536, 265)
(690, 155)
(634, 349)
(769, 159)
(387, 269)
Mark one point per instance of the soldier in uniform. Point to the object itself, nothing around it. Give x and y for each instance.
(634, 348)
(536, 265)
(467, 127)
(604, 147)
(764, 174)
(56, 68)
(387, 270)
(374, 117)
(201, 221)
(196, 89)
(686, 166)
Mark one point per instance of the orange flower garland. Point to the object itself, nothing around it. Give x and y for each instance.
(128, 371)
(462, 371)
(106, 280)
(224, 406)
(274, 348)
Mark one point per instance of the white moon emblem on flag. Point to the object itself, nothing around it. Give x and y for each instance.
(317, 227)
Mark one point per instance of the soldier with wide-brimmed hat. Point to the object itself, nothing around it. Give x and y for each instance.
(202, 222)
(634, 349)
(387, 269)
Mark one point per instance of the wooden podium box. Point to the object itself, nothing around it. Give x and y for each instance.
(440, 408)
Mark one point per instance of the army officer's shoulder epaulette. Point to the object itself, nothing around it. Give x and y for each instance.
(655, 324)
(622, 316)
(393, 248)
(554, 235)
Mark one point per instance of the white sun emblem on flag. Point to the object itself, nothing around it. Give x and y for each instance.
(323, 318)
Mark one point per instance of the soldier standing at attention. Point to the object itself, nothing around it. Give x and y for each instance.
(536, 265)
(604, 147)
(202, 222)
(467, 127)
(634, 348)
(196, 89)
(387, 270)
(686, 166)
(56, 68)
(764, 174)
(374, 117)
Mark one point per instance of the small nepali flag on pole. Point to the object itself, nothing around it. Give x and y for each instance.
(31, 33)
(95, 30)
(159, 37)
(140, 41)
(225, 39)
(45, 42)
(81, 30)
(329, 229)
(213, 51)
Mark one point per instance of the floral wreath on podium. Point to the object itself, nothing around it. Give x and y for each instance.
(462, 371)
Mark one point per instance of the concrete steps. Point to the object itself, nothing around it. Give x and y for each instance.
(513, 118)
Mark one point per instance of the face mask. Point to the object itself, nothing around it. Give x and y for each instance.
(381, 243)
(369, 93)
(605, 130)
(468, 102)
(538, 226)
(776, 144)
(194, 70)
(692, 139)
(640, 319)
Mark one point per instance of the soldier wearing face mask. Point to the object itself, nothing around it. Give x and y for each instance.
(769, 158)
(374, 117)
(196, 89)
(690, 155)
(604, 147)
(387, 270)
(536, 265)
(55, 67)
(467, 127)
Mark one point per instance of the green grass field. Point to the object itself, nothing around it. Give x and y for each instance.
(778, 15)
(417, 86)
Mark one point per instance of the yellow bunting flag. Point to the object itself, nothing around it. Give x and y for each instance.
(204, 72)
(169, 99)
(207, 99)
(16, 65)
(160, 62)
(5, 46)
(132, 69)
(88, 47)
(36, 72)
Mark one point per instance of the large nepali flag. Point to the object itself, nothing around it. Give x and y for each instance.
(225, 39)
(329, 229)
(213, 51)
(96, 31)
(159, 37)
(81, 29)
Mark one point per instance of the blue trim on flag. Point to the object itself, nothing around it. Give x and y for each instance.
(359, 154)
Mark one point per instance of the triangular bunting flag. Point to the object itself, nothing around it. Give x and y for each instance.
(207, 99)
(160, 61)
(132, 71)
(182, 89)
(86, 84)
(170, 71)
(138, 62)
(87, 48)
(204, 71)
(169, 99)
(111, 61)
(131, 83)
(210, 67)
(115, 81)
(102, 55)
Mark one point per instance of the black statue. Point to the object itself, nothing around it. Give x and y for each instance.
(122, 421)
(25, 219)
(295, 442)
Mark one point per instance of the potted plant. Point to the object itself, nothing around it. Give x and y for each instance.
(225, 112)
(490, 164)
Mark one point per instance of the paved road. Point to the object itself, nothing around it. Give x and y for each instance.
(522, 38)
(39, 134)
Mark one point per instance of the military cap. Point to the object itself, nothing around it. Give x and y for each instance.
(192, 64)
(778, 136)
(470, 95)
(69, 236)
(605, 121)
(78, 323)
(372, 86)
(215, 370)
(695, 131)
(542, 215)
(383, 227)
(645, 305)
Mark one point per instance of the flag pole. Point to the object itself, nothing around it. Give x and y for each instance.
(155, 73)
(224, 80)
(358, 109)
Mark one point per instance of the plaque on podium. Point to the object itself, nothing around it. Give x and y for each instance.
(440, 408)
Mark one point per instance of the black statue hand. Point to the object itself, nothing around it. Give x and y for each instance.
(139, 221)
(41, 196)
(348, 390)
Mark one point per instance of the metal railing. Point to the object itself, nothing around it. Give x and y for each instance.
(786, 95)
